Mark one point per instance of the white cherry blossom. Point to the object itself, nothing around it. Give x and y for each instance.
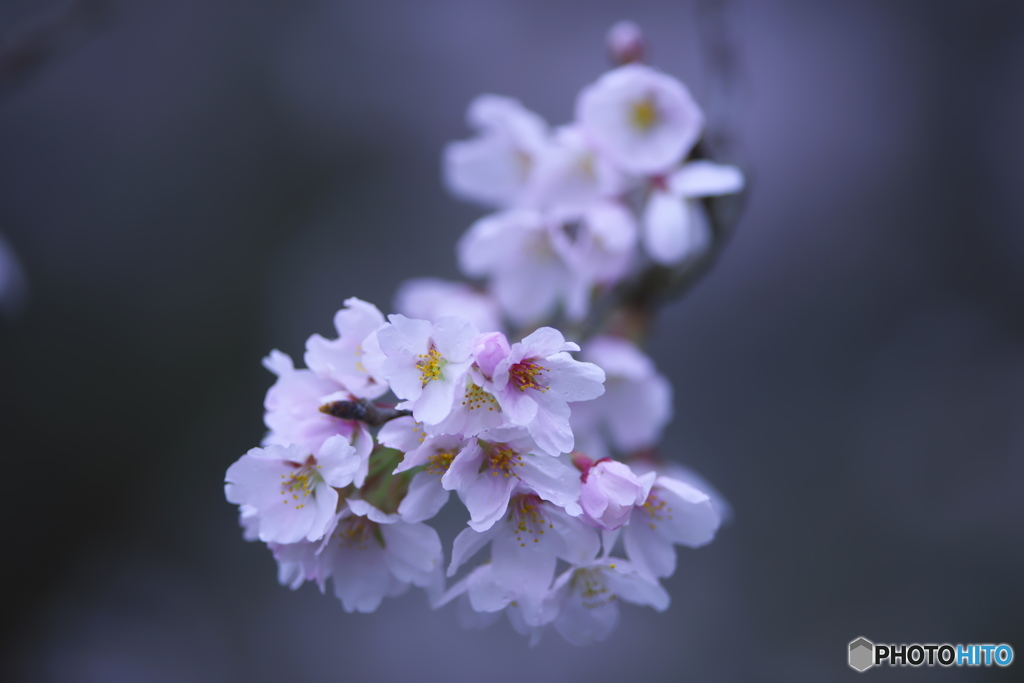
(519, 252)
(644, 121)
(424, 362)
(496, 464)
(370, 555)
(674, 513)
(292, 491)
(494, 168)
(587, 596)
(526, 545)
(571, 176)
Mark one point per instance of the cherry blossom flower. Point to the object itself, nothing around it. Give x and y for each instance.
(519, 251)
(571, 176)
(475, 409)
(293, 491)
(535, 383)
(13, 283)
(673, 513)
(492, 466)
(424, 361)
(525, 547)
(588, 597)
(625, 43)
(481, 600)
(370, 555)
(643, 120)
(494, 168)
(341, 359)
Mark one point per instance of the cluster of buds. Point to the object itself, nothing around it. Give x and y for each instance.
(466, 390)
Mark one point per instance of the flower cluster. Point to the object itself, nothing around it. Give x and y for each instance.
(466, 390)
(579, 207)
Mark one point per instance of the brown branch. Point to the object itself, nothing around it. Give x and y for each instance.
(363, 411)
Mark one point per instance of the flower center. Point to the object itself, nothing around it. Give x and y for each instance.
(644, 115)
(657, 509)
(439, 462)
(430, 364)
(476, 397)
(503, 460)
(529, 519)
(355, 532)
(523, 374)
(301, 484)
(593, 591)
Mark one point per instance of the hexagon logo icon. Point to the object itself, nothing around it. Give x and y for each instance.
(862, 654)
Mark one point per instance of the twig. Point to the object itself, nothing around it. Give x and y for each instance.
(363, 411)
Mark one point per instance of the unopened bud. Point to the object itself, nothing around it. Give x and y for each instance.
(626, 43)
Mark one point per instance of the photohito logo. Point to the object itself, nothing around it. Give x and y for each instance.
(864, 654)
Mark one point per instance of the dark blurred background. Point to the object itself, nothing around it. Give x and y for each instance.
(190, 184)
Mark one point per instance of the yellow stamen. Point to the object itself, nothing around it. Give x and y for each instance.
(644, 115)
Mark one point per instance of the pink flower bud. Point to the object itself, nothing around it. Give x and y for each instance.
(609, 492)
(490, 349)
(626, 43)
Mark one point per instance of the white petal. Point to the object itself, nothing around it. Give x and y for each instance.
(633, 587)
(339, 464)
(705, 179)
(412, 551)
(403, 434)
(467, 544)
(434, 402)
(649, 551)
(424, 499)
(668, 236)
(361, 579)
(694, 520)
(487, 499)
(583, 625)
(552, 480)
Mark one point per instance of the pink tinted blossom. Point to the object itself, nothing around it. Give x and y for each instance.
(609, 492)
(535, 383)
